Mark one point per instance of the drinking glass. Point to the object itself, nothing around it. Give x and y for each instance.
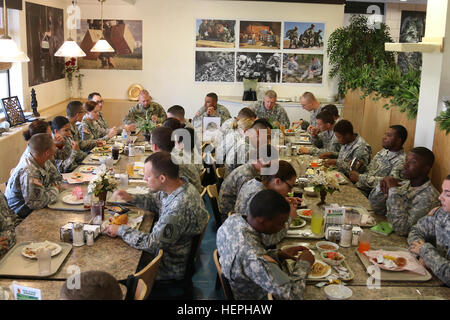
(364, 242)
(130, 169)
(115, 151)
(97, 212)
(123, 180)
(316, 222)
(44, 257)
(87, 200)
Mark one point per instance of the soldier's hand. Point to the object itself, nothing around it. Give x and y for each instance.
(354, 176)
(307, 256)
(154, 118)
(75, 146)
(130, 127)
(290, 253)
(111, 230)
(330, 162)
(112, 132)
(391, 182)
(415, 246)
(309, 129)
(314, 131)
(123, 195)
(4, 243)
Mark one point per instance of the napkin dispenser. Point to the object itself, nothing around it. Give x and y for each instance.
(65, 233)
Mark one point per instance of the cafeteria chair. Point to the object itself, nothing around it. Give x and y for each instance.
(220, 173)
(3, 187)
(223, 280)
(141, 290)
(202, 175)
(213, 195)
(269, 296)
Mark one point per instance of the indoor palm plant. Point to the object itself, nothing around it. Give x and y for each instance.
(146, 125)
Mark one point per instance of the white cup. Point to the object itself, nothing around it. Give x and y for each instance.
(44, 257)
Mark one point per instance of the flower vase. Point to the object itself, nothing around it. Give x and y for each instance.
(323, 195)
(70, 85)
(102, 196)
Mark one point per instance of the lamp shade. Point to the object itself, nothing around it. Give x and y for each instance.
(9, 52)
(70, 49)
(102, 46)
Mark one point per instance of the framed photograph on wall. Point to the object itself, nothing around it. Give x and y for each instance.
(259, 35)
(412, 30)
(264, 66)
(211, 33)
(302, 68)
(214, 66)
(303, 35)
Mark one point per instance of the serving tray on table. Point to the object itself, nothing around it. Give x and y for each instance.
(303, 233)
(14, 264)
(89, 160)
(288, 266)
(60, 205)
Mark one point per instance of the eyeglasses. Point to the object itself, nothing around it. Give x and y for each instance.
(290, 187)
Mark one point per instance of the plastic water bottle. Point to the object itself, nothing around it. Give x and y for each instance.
(124, 136)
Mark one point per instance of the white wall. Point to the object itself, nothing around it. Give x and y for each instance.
(169, 47)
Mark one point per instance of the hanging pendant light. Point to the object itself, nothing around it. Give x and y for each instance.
(9, 51)
(102, 45)
(70, 48)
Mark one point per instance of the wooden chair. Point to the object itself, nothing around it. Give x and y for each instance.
(141, 290)
(148, 274)
(213, 195)
(269, 296)
(3, 187)
(220, 173)
(230, 213)
(223, 280)
(202, 175)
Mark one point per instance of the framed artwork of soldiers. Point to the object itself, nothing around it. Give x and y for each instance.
(214, 66)
(13, 111)
(302, 68)
(215, 33)
(45, 34)
(264, 66)
(125, 36)
(303, 35)
(412, 29)
(259, 35)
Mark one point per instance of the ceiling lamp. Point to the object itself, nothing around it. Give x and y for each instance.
(102, 45)
(70, 48)
(9, 52)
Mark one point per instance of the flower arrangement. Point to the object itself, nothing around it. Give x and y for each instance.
(70, 68)
(102, 183)
(325, 182)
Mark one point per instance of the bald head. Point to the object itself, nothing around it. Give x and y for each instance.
(40, 143)
(144, 98)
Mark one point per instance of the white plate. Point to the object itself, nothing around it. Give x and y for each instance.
(88, 169)
(138, 190)
(69, 199)
(301, 225)
(338, 292)
(335, 246)
(323, 276)
(300, 214)
(34, 246)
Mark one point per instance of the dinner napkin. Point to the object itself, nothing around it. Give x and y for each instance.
(412, 264)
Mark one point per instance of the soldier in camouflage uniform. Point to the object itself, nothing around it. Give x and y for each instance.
(35, 181)
(310, 104)
(270, 110)
(182, 215)
(253, 271)
(8, 223)
(353, 147)
(430, 237)
(387, 162)
(211, 109)
(89, 127)
(75, 114)
(154, 109)
(405, 203)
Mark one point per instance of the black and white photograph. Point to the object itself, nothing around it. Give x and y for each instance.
(412, 30)
(302, 68)
(45, 34)
(214, 66)
(259, 35)
(215, 33)
(303, 35)
(263, 66)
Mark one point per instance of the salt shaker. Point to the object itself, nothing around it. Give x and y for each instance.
(78, 234)
(346, 236)
(90, 238)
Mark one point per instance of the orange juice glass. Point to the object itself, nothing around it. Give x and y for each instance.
(130, 169)
(364, 246)
(314, 164)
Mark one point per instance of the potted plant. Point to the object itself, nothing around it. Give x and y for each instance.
(146, 125)
(102, 183)
(324, 182)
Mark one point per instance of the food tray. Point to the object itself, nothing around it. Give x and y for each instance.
(393, 275)
(89, 161)
(131, 215)
(300, 141)
(288, 266)
(60, 205)
(14, 264)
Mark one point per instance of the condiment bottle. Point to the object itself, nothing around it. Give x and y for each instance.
(78, 234)
(346, 235)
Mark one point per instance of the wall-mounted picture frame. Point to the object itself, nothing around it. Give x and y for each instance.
(211, 33)
(214, 66)
(304, 35)
(13, 111)
(264, 66)
(259, 35)
(302, 68)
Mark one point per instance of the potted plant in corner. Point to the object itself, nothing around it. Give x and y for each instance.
(146, 125)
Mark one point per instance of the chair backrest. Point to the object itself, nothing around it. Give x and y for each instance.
(269, 296)
(223, 280)
(148, 274)
(3, 187)
(202, 175)
(220, 174)
(141, 290)
(214, 198)
(202, 194)
(230, 213)
(195, 248)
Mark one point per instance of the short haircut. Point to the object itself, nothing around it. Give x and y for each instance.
(425, 154)
(162, 138)
(285, 172)
(309, 96)
(144, 93)
(213, 96)
(91, 95)
(246, 113)
(94, 285)
(268, 204)
(37, 126)
(326, 117)
(179, 137)
(343, 127)
(172, 123)
(177, 111)
(58, 123)
(332, 109)
(261, 124)
(448, 177)
(89, 106)
(400, 132)
(243, 124)
(162, 164)
(73, 108)
(40, 142)
(271, 94)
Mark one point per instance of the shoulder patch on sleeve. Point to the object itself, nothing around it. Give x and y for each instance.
(168, 231)
(37, 182)
(269, 259)
(433, 211)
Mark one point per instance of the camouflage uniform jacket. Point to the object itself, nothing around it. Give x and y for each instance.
(139, 111)
(434, 229)
(91, 130)
(231, 186)
(242, 206)
(230, 140)
(102, 122)
(238, 155)
(182, 215)
(277, 113)
(190, 172)
(385, 163)
(85, 145)
(314, 114)
(221, 112)
(252, 270)
(73, 161)
(405, 205)
(325, 142)
(8, 223)
(358, 149)
(32, 187)
(227, 126)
